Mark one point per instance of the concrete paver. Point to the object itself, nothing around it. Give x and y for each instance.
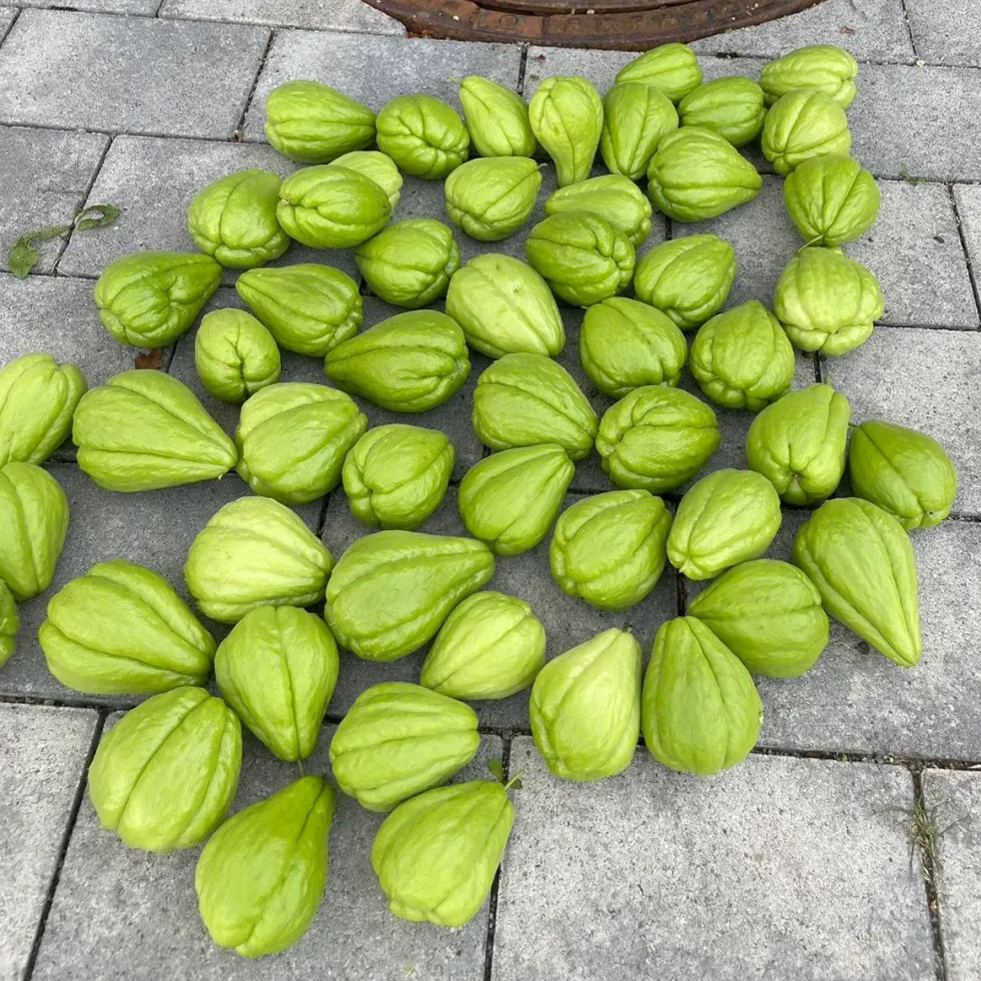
(44, 754)
(967, 200)
(339, 15)
(685, 877)
(128, 74)
(953, 803)
(946, 33)
(111, 898)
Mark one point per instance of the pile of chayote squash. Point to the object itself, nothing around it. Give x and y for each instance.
(166, 775)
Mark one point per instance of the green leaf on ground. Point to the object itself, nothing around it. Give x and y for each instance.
(23, 254)
(96, 216)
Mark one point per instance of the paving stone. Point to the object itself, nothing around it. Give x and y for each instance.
(57, 315)
(44, 754)
(154, 528)
(145, 7)
(926, 379)
(727, 891)
(362, 67)
(46, 174)
(131, 74)
(918, 120)
(955, 800)
(967, 199)
(872, 30)
(915, 251)
(946, 33)
(567, 621)
(340, 15)
(111, 899)
(855, 700)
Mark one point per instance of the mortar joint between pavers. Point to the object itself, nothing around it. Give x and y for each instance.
(522, 68)
(909, 28)
(5, 34)
(972, 275)
(63, 845)
(495, 885)
(239, 130)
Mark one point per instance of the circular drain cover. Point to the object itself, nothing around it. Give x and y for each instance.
(627, 24)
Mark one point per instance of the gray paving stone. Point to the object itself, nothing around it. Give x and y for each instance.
(872, 30)
(926, 379)
(340, 15)
(112, 899)
(376, 69)
(918, 120)
(955, 799)
(567, 621)
(153, 528)
(915, 251)
(967, 199)
(946, 33)
(46, 174)
(854, 700)
(128, 74)
(145, 7)
(44, 754)
(57, 315)
(656, 874)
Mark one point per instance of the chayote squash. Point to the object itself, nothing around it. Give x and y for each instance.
(38, 397)
(148, 299)
(827, 302)
(769, 614)
(490, 198)
(144, 430)
(861, 561)
(700, 711)
(234, 219)
(312, 123)
(491, 646)
(9, 624)
(725, 518)
(635, 117)
(235, 356)
(377, 166)
(255, 551)
(613, 198)
(497, 119)
(831, 200)
(510, 499)
(566, 116)
(582, 257)
(697, 174)
(399, 739)
(687, 278)
(292, 440)
(904, 472)
(122, 630)
(825, 67)
(395, 476)
(670, 68)
(165, 775)
(742, 359)
(408, 363)
(391, 591)
(585, 708)
(731, 106)
(409, 264)
(424, 136)
(804, 124)
(505, 307)
(625, 344)
(308, 308)
(261, 878)
(332, 207)
(33, 525)
(277, 669)
(656, 438)
(798, 443)
(436, 855)
(527, 399)
(608, 549)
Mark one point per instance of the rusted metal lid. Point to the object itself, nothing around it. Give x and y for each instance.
(625, 24)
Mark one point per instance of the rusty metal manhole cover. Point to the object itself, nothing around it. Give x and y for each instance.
(630, 24)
